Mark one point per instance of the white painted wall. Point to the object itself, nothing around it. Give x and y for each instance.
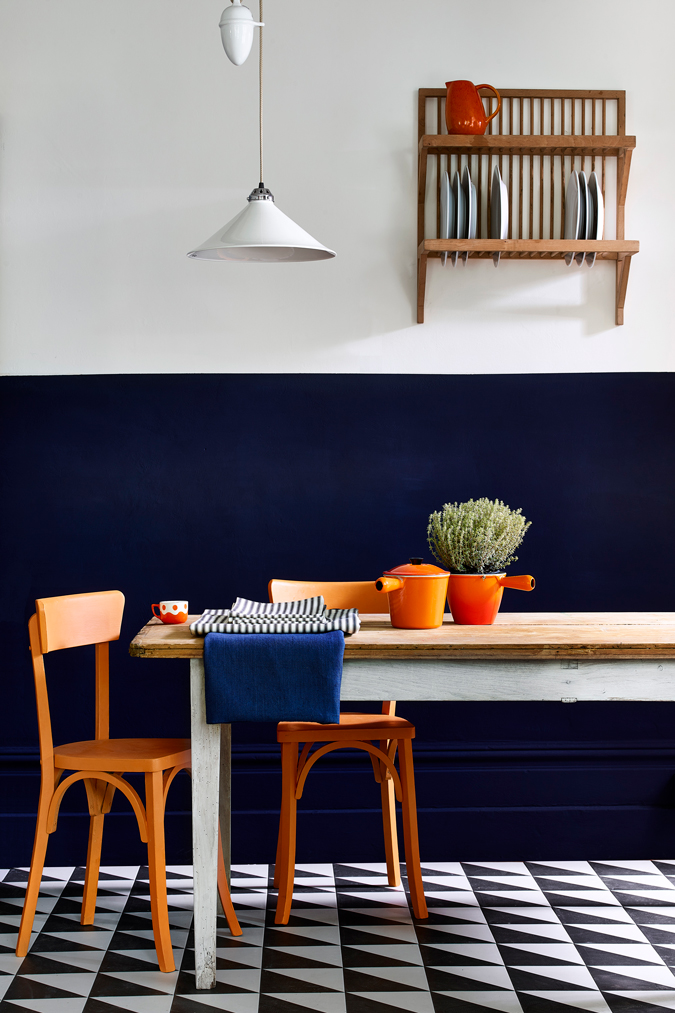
(128, 138)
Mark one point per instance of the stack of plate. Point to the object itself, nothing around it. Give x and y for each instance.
(459, 211)
(584, 213)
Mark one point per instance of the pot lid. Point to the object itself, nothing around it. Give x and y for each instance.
(415, 568)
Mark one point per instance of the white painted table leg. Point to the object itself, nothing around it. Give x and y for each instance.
(205, 804)
(226, 794)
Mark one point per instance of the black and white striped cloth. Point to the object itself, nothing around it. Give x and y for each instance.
(309, 615)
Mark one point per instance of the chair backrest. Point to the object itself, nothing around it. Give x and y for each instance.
(73, 620)
(338, 594)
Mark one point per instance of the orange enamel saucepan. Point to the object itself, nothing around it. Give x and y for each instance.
(417, 593)
(474, 598)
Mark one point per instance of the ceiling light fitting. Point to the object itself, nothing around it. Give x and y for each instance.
(261, 232)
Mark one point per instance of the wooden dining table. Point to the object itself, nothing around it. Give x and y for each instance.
(562, 656)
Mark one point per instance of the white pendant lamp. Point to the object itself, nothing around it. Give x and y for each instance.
(236, 31)
(261, 232)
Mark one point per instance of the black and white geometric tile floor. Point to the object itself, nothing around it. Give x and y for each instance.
(510, 937)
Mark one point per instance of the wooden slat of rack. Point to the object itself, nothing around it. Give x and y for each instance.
(510, 101)
(531, 161)
(603, 247)
(520, 173)
(570, 144)
(545, 92)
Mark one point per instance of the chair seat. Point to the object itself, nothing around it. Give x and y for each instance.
(123, 754)
(352, 726)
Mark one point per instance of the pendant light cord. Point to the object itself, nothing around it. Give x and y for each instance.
(260, 90)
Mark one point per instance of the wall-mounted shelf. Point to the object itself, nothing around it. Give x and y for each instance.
(529, 140)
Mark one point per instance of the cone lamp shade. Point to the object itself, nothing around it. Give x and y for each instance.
(261, 232)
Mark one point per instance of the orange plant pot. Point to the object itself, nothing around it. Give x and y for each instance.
(474, 598)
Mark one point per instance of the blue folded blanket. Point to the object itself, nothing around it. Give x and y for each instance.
(275, 677)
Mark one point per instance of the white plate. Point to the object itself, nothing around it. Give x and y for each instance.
(460, 212)
(499, 211)
(505, 211)
(572, 212)
(595, 195)
(469, 208)
(447, 212)
(474, 213)
(582, 232)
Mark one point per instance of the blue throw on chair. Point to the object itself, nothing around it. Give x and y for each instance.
(273, 677)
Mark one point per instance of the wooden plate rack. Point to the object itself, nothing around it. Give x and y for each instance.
(538, 138)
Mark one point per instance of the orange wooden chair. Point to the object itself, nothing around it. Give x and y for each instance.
(355, 731)
(72, 621)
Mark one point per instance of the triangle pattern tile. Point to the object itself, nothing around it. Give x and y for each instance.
(391, 934)
(243, 1002)
(638, 953)
(400, 953)
(657, 975)
(323, 1002)
(592, 1002)
(504, 1002)
(414, 1002)
(412, 977)
(577, 975)
(481, 953)
(50, 1005)
(303, 956)
(593, 915)
(517, 914)
(541, 953)
(158, 980)
(322, 979)
(142, 1004)
(536, 932)
(469, 978)
(664, 999)
(79, 982)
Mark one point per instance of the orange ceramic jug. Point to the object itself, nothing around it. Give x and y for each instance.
(474, 598)
(464, 111)
(417, 593)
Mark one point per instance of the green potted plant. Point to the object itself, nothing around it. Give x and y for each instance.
(476, 541)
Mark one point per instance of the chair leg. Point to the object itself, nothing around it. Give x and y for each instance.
(277, 859)
(224, 894)
(37, 864)
(93, 865)
(390, 831)
(410, 836)
(287, 829)
(154, 807)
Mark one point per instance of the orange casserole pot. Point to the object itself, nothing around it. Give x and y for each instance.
(417, 593)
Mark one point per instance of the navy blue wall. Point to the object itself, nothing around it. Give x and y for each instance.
(205, 486)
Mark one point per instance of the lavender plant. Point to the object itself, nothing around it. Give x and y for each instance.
(479, 536)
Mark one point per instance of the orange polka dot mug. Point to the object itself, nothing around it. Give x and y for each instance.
(171, 611)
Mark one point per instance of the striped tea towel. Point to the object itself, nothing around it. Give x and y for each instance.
(309, 615)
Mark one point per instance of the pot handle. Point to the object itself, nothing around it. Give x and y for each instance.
(499, 105)
(385, 584)
(522, 582)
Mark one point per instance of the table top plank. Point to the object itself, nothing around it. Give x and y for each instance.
(515, 635)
